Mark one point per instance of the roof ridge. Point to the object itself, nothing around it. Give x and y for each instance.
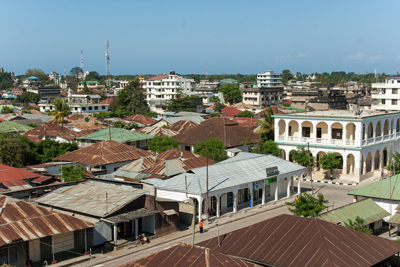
(317, 221)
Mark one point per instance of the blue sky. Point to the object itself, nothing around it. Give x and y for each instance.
(149, 37)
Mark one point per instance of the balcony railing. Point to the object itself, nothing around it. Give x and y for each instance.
(336, 141)
(350, 142)
(307, 139)
(378, 139)
(293, 139)
(370, 141)
(386, 137)
(364, 142)
(281, 138)
(322, 141)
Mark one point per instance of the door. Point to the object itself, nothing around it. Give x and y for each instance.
(34, 250)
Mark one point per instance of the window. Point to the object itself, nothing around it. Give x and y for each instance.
(142, 143)
(90, 108)
(383, 101)
(96, 108)
(243, 195)
(83, 108)
(306, 132)
(394, 101)
(103, 107)
(383, 91)
(229, 199)
(319, 132)
(394, 91)
(290, 130)
(337, 133)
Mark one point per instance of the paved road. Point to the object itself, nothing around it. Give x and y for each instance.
(336, 194)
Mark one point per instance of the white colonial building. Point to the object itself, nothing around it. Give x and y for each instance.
(159, 89)
(363, 141)
(387, 94)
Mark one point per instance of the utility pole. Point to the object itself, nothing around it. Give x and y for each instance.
(82, 63)
(309, 165)
(207, 216)
(108, 70)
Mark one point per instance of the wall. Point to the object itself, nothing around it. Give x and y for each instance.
(102, 233)
(162, 226)
(385, 204)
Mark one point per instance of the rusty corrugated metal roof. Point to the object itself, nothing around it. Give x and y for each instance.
(8, 173)
(95, 198)
(288, 240)
(141, 119)
(47, 130)
(188, 255)
(175, 153)
(156, 131)
(104, 152)
(181, 126)
(73, 135)
(16, 185)
(23, 221)
(82, 124)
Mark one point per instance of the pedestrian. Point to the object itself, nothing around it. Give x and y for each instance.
(201, 227)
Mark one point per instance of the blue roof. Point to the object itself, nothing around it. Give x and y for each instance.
(33, 78)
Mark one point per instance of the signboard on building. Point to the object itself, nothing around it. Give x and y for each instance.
(272, 171)
(257, 185)
(271, 180)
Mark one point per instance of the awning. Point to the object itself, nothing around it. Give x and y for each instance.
(170, 212)
(128, 216)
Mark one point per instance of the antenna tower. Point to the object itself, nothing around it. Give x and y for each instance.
(65, 72)
(206, 70)
(108, 60)
(82, 61)
(360, 73)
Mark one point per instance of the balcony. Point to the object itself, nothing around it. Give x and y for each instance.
(336, 142)
(350, 142)
(293, 139)
(281, 138)
(370, 141)
(322, 141)
(307, 140)
(378, 139)
(386, 137)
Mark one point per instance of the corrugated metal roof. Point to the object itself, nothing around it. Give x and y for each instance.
(156, 131)
(44, 118)
(117, 134)
(291, 241)
(187, 255)
(380, 189)
(366, 209)
(127, 216)
(182, 126)
(95, 198)
(23, 221)
(142, 119)
(47, 130)
(140, 164)
(82, 124)
(395, 219)
(8, 173)
(73, 135)
(195, 119)
(104, 152)
(227, 174)
(16, 185)
(13, 127)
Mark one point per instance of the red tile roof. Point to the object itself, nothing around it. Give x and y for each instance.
(9, 173)
(107, 101)
(230, 112)
(142, 119)
(104, 152)
(158, 77)
(293, 241)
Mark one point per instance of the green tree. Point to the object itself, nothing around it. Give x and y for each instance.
(269, 147)
(85, 88)
(181, 102)
(37, 73)
(27, 97)
(216, 150)
(15, 152)
(358, 224)
(217, 103)
(75, 71)
(330, 161)
(131, 100)
(61, 110)
(72, 173)
(214, 114)
(31, 124)
(162, 143)
(6, 81)
(267, 128)
(93, 76)
(246, 113)
(119, 124)
(286, 76)
(7, 109)
(232, 93)
(302, 156)
(46, 150)
(396, 162)
(307, 205)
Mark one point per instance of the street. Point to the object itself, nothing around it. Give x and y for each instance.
(336, 194)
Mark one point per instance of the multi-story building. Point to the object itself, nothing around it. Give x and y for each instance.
(206, 90)
(56, 77)
(364, 141)
(163, 87)
(269, 79)
(387, 94)
(31, 82)
(91, 85)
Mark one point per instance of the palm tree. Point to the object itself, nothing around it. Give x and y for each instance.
(61, 110)
(267, 125)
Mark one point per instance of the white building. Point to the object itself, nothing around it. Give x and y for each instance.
(387, 94)
(239, 182)
(363, 141)
(159, 89)
(56, 77)
(269, 79)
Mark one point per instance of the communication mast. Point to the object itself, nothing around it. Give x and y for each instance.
(65, 72)
(206, 70)
(108, 71)
(82, 61)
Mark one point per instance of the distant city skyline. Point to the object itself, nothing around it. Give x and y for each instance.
(246, 37)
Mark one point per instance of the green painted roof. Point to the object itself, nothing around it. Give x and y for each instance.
(366, 209)
(297, 109)
(380, 189)
(228, 80)
(13, 127)
(395, 218)
(117, 134)
(2, 106)
(90, 82)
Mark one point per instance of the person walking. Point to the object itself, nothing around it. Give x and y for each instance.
(201, 227)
